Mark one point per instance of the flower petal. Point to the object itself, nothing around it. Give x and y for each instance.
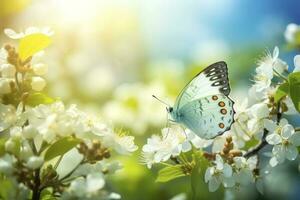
(297, 63)
(228, 182)
(291, 152)
(275, 52)
(283, 122)
(13, 34)
(270, 125)
(208, 174)
(214, 184)
(295, 139)
(227, 170)
(279, 152)
(273, 161)
(273, 139)
(287, 131)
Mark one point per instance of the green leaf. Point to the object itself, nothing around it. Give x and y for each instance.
(47, 195)
(294, 89)
(38, 98)
(281, 92)
(5, 189)
(169, 173)
(61, 147)
(33, 43)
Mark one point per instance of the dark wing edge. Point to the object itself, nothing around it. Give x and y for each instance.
(218, 75)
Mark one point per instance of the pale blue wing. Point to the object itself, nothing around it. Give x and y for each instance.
(208, 117)
(211, 81)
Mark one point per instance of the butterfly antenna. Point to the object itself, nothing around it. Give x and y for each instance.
(160, 100)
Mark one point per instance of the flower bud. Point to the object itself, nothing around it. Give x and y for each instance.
(5, 86)
(16, 132)
(8, 71)
(40, 69)
(10, 146)
(38, 83)
(25, 152)
(6, 164)
(29, 132)
(34, 162)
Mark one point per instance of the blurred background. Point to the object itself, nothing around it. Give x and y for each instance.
(109, 57)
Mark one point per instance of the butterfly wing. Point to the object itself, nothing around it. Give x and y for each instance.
(211, 81)
(208, 117)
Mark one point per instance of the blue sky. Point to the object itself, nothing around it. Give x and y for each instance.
(176, 28)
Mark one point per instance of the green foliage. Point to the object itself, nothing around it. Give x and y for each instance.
(47, 195)
(294, 89)
(33, 43)
(169, 173)
(61, 147)
(5, 187)
(281, 91)
(38, 98)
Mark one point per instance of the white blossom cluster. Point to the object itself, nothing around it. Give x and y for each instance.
(8, 71)
(29, 131)
(258, 118)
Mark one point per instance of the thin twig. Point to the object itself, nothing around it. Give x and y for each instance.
(263, 141)
(261, 145)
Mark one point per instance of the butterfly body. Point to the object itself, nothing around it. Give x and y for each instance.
(204, 106)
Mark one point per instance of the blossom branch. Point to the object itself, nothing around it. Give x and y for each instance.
(263, 142)
(261, 145)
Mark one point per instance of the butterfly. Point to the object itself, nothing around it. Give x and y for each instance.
(203, 106)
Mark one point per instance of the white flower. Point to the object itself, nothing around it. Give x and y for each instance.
(292, 30)
(87, 187)
(265, 70)
(6, 164)
(196, 140)
(239, 129)
(172, 143)
(258, 112)
(284, 139)
(5, 85)
(35, 162)
(29, 132)
(30, 30)
(7, 70)
(244, 167)
(38, 83)
(147, 158)
(10, 116)
(25, 151)
(122, 144)
(101, 166)
(10, 146)
(40, 69)
(220, 173)
(297, 63)
(16, 132)
(291, 110)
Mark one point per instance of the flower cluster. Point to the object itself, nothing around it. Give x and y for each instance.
(260, 121)
(40, 133)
